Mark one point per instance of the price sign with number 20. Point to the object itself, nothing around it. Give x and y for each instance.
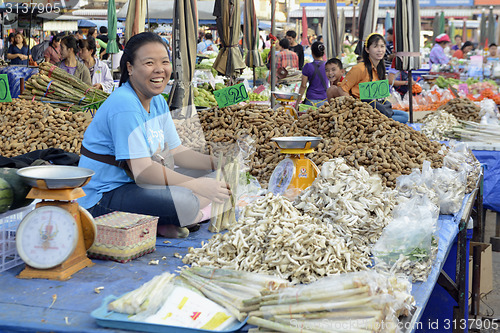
(374, 89)
(231, 95)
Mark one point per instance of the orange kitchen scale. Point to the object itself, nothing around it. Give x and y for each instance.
(296, 172)
(53, 239)
(287, 100)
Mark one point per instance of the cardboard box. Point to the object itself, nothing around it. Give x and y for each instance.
(486, 281)
(124, 236)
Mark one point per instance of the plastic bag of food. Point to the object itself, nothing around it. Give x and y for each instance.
(416, 185)
(410, 233)
(362, 301)
(450, 186)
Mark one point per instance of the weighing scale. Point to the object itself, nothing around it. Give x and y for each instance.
(53, 239)
(287, 100)
(296, 172)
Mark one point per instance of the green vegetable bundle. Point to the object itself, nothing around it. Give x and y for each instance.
(66, 91)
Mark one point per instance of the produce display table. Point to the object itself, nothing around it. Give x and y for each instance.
(28, 305)
(14, 74)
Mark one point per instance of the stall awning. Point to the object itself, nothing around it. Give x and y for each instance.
(60, 25)
(163, 10)
(312, 12)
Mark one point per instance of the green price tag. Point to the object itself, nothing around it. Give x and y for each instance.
(231, 95)
(4, 89)
(374, 89)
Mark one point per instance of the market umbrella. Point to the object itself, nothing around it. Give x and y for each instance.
(367, 25)
(388, 21)
(442, 23)
(331, 30)
(184, 32)
(112, 24)
(435, 27)
(305, 28)
(491, 27)
(251, 37)
(229, 61)
(136, 18)
(482, 30)
(341, 26)
(452, 29)
(407, 40)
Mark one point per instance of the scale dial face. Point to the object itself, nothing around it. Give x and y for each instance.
(282, 176)
(46, 237)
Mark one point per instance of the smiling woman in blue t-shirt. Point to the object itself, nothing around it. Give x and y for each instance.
(134, 129)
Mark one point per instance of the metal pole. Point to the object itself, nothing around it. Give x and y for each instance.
(410, 94)
(29, 38)
(273, 50)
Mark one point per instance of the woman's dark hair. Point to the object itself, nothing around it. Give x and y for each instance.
(55, 39)
(120, 46)
(91, 31)
(88, 44)
(70, 43)
(24, 38)
(467, 43)
(11, 37)
(133, 44)
(318, 49)
(375, 38)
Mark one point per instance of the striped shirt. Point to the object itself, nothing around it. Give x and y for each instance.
(287, 58)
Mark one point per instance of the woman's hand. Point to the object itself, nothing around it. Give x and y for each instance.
(22, 56)
(212, 189)
(98, 86)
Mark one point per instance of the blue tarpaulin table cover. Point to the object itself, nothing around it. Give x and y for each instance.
(26, 305)
(14, 73)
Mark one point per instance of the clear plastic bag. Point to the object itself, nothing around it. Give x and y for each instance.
(410, 233)
(450, 186)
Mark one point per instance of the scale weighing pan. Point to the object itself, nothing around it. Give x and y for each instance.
(296, 142)
(285, 95)
(53, 177)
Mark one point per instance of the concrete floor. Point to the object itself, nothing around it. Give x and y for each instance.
(490, 303)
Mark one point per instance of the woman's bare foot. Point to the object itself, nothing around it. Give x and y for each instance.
(172, 231)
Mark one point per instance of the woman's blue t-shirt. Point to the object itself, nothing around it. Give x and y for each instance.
(123, 128)
(13, 49)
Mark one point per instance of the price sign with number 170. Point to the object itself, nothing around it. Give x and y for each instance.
(374, 89)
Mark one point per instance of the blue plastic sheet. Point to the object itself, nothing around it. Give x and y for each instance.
(14, 73)
(491, 184)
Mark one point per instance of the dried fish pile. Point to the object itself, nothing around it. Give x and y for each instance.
(462, 109)
(353, 202)
(437, 124)
(272, 237)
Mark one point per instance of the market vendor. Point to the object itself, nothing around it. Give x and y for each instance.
(99, 71)
(372, 68)
(18, 51)
(335, 73)
(439, 50)
(314, 78)
(133, 134)
(492, 54)
(69, 50)
(462, 52)
(53, 53)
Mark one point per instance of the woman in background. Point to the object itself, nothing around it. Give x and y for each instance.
(53, 53)
(18, 51)
(99, 71)
(69, 50)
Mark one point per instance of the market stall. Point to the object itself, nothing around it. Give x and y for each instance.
(66, 306)
(354, 196)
